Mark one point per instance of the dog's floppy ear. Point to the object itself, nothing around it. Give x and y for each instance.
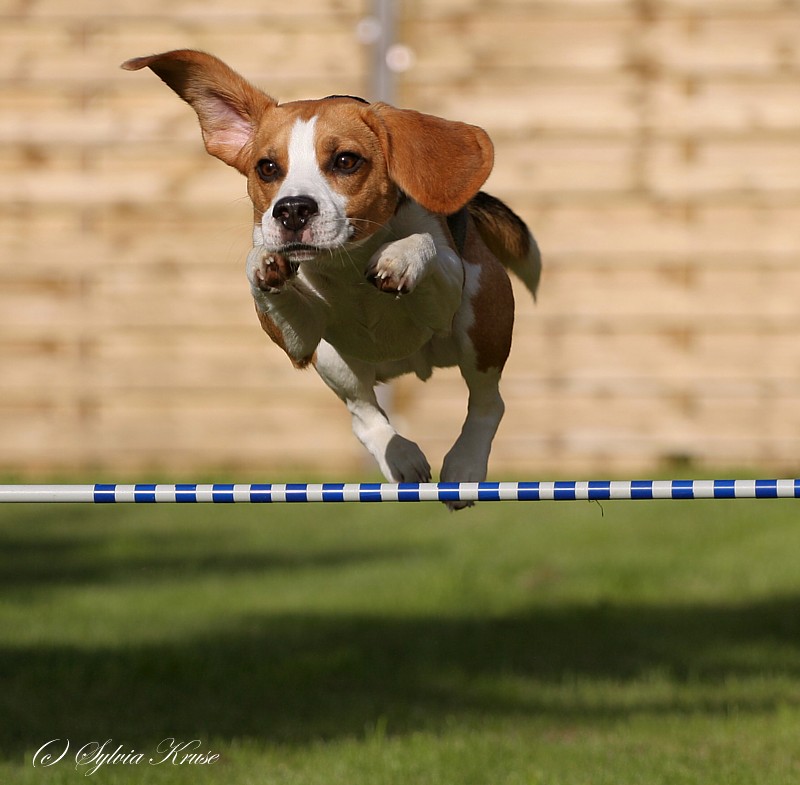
(439, 163)
(229, 108)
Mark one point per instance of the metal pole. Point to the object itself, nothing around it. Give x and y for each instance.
(388, 57)
(383, 87)
(598, 490)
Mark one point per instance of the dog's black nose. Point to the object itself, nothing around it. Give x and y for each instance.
(294, 211)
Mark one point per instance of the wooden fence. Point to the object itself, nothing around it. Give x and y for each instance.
(652, 145)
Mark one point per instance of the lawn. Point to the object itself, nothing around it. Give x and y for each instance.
(511, 644)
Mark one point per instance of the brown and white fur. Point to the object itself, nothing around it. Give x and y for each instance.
(374, 252)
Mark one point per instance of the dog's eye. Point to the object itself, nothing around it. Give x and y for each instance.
(347, 163)
(268, 170)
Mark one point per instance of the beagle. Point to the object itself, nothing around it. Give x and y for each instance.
(374, 253)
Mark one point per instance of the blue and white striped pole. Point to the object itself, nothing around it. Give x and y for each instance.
(600, 490)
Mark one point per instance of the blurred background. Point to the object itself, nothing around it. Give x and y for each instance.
(653, 146)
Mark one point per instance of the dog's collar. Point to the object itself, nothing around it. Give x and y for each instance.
(351, 97)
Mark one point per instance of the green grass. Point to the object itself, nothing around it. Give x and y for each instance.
(511, 644)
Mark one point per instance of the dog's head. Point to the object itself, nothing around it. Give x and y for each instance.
(324, 174)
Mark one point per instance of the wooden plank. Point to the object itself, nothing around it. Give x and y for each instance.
(697, 167)
(565, 165)
(712, 108)
(504, 42)
(282, 50)
(718, 44)
(523, 109)
(638, 226)
(179, 363)
(195, 10)
(202, 432)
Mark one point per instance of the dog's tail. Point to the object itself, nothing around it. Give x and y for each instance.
(508, 238)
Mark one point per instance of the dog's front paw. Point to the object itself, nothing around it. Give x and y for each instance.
(267, 271)
(398, 267)
(405, 462)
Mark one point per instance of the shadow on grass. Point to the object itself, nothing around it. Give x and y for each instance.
(64, 563)
(294, 679)
(53, 557)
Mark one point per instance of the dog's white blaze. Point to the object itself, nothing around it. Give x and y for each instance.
(305, 177)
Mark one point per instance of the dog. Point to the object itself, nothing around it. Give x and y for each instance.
(375, 253)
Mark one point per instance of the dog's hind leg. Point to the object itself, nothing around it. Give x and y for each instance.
(468, 458)
(400, 460)
(483, 331)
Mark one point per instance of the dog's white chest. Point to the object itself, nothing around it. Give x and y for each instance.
(370, 325)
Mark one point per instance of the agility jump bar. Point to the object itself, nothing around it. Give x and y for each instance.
(598, 490)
